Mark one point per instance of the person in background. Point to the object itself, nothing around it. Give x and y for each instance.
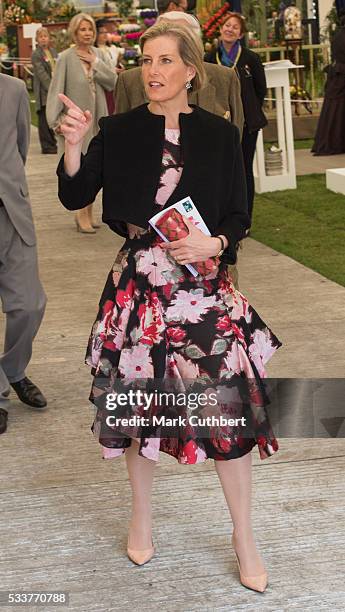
(110, 55)
(221, 93)
(43, 63)
(22, 295)
(164, 6)
(111, 52)
(330, 132)
(251, 72)
(82, 74)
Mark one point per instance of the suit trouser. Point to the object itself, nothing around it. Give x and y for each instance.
(23, 301)
(46, 135)
(248, 150)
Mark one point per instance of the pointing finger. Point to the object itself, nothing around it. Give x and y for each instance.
(68, 102)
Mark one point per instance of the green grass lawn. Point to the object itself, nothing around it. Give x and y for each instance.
(304, 144)
(307, 224)
(307, 143)
(33, 109)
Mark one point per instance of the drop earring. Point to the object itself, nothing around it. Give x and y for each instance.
(188, 85)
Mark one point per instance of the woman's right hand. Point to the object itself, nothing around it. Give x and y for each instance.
(76, 122)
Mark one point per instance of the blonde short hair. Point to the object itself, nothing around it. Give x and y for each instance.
(190, 47)
(41, 31)
(75, 22)
(189, 20)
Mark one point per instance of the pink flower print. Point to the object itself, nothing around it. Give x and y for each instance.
(186, 368)
(237, 360)
(124, 297)
(261, 349)
(117, 330)
(167, 290)
(229, 401)
(232, 360)
(100, 330)
(240, 308)
(238, 333)
(224, 323)
(151, 323)
(110, 453)
(151, 451)
(189, 453)
(169, 181)
(176, 335)
(136, 362)
(189, 306)
(153, 263)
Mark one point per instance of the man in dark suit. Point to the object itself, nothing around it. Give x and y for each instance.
(21, 293)
(221, 96)
(43, 62)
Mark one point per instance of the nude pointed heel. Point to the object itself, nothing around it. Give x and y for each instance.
(92, 221)
(255, 583)
(140, 557)
(83, 230)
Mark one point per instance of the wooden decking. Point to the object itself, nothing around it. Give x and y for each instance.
(64, 511)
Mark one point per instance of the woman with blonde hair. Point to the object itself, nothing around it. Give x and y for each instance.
(157, 320)
(83, 75)
(43, 61)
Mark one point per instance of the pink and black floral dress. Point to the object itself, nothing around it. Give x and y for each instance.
(157, 321)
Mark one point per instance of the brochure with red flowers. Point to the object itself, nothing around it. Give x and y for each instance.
(169, 224)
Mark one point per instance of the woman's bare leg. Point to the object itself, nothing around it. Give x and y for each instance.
(140, 472)
(235, 476)
(92, 221)
(83, 221)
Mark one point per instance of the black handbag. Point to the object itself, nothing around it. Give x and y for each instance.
(254, 116)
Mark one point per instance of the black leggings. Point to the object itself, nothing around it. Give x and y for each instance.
(248, 150)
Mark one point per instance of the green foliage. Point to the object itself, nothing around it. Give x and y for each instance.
(124, 7)
(44, 10)
(307, 225)
(332, 24)
(60, 39)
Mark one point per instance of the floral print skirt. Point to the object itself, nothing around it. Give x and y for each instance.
(157, 321)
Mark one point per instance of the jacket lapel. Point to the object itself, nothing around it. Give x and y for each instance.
(44, 60)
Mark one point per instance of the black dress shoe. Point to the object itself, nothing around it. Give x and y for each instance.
(3, 420)
(29, 394)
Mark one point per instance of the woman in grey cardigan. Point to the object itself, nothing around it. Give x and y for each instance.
(82, 75)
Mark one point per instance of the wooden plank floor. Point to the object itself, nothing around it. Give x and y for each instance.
(64, 511)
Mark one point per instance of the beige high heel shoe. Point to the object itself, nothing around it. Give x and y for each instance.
(140, 557)
(81, 221)
(92, 222)
(255, 583)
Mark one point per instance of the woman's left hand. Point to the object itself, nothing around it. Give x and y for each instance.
(194, 247)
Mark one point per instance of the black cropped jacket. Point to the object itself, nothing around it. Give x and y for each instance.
(125, 160)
